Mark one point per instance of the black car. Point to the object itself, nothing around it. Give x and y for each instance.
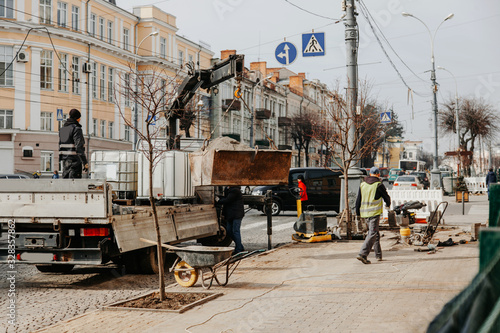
(424, 179)
(323, 190)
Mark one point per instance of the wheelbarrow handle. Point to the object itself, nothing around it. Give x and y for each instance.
(170, 247)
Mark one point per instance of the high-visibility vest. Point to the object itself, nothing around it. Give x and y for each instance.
(369, 206)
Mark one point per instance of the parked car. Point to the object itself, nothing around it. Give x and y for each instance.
(393, 174)
(407, 182)
(323, 190)
(424, 179)
(14, 176)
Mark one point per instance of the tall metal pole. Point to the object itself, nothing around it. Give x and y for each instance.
(351, 43)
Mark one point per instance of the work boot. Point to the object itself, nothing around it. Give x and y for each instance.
(379, 258)
(364, 260)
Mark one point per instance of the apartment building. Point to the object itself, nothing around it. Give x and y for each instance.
(59, 55)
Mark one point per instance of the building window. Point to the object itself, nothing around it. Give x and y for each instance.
(103, 128)
(93, 25)
(102, 82)
(46, 158)
(163, 47)
(110, 129)
(27, 151)
(60, 123)
(45, 11)
(6, 56)
(94, 80)
(76, 75)
(101, 28)
(127, 133)
(63, 72)
(62, 14)
(75, 17)
(190, 57)
(125, 39)
(126, 88)
(46, 121)
(110, 32)
(46, 70)
(94, 124)
(7, 8)
(181, 57)
(6, 119)
(110, 84)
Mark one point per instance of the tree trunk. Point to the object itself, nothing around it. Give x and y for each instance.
(346, 202)
(159, 249)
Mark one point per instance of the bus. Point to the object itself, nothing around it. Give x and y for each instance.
(412, 165)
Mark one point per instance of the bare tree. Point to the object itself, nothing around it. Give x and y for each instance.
(342, 133)
(302, 131)
(477, 120)
(155, 90)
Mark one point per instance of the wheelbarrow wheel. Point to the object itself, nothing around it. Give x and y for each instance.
(185, 275)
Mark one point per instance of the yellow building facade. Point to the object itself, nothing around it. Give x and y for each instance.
(60, 55)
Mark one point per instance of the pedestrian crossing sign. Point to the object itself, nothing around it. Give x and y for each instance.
(386, 117)
(313, 44)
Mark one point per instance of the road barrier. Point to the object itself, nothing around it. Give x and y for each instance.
(476, 184)
(431, 198)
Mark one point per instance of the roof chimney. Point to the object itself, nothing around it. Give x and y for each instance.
(224, 54)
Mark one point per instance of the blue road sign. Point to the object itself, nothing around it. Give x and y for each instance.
(313, 44)
(60, 116)
(153, 122)
(286, 53)
(386, 117)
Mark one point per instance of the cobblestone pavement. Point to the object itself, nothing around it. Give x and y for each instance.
(44, 299)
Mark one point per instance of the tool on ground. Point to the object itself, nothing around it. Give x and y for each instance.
(312, 227)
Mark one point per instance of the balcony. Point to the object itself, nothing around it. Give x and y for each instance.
(284, 147)
(284, 121)
(262, 143)
(235, 136)
(235, 106)
(262, 113)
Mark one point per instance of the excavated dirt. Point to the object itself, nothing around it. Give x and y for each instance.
(173, 301)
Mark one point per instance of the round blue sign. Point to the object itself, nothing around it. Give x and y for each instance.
(286, 53)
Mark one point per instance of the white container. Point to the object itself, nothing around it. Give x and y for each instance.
(171, 176)
(119, 168)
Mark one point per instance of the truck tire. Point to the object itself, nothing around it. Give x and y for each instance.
(51, 268)
(221, 239)
(148, 260)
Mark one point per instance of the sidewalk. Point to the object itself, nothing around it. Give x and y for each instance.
(319, 287)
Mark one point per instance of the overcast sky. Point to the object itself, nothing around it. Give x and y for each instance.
(467, 45)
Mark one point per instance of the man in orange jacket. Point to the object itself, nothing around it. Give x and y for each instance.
(303, 192)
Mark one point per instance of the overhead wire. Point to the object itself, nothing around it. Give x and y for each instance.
(387, 55)
(307, 11)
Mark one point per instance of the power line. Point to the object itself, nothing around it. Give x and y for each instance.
(307, 11)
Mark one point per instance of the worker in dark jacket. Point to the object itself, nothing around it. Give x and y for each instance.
(72, 146)
(369, 206)
(233, 211)
(491, 178)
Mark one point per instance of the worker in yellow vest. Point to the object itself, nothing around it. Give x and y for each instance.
(369, 206)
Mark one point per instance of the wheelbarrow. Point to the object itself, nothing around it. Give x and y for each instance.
(206, 261)
(193, 261)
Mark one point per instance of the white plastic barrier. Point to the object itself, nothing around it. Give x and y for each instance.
(476, 184)
(431, 198)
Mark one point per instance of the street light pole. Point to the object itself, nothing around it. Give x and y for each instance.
(136, 111)
(435, 173)
(457, 121)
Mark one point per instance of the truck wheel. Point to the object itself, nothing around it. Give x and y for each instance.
(51, 268)
(148, 262)
(275, 208)
(185, 275)
(221, 239)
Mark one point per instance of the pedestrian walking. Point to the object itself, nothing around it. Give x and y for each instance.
(303, 192)
(369, 206)
(233, 211)
(72, 146)
(491, 178)
(55, 175)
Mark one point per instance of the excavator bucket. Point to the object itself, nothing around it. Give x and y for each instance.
(227, 162)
